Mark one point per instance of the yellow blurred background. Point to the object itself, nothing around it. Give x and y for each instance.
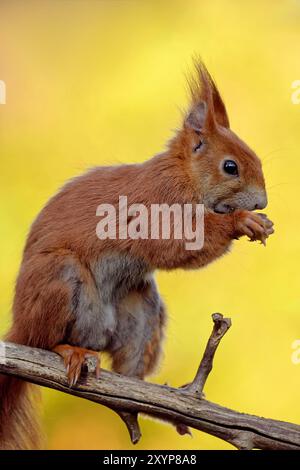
(97, 82)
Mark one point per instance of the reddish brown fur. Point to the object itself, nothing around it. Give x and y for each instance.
(66, 228)
(19, 426)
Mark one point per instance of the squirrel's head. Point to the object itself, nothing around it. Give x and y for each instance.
(226, 172)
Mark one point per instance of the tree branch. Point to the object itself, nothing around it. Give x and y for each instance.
(129, 396)
(221, 326)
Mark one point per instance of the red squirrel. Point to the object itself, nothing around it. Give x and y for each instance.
(78, 295)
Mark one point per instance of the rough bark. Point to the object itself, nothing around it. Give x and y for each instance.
(128, 397)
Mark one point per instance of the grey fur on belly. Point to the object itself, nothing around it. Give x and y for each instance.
(97, 305)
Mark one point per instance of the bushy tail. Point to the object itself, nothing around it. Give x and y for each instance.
(19, 428)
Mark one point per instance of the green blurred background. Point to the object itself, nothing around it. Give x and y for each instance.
(98, 82)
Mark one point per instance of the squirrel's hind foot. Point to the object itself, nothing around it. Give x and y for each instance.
(74, 359)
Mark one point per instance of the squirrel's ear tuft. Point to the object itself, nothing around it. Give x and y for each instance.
(219, 107)
(204, 90)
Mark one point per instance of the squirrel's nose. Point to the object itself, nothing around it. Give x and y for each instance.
(261, 201)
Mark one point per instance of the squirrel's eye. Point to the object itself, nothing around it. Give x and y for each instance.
(230, 167)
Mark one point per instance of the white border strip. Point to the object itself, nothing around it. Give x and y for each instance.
(3, 92)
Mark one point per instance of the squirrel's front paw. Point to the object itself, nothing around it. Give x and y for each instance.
(255, 226)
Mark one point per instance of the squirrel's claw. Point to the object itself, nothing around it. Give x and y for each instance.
(74, 359)
(255, 226)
